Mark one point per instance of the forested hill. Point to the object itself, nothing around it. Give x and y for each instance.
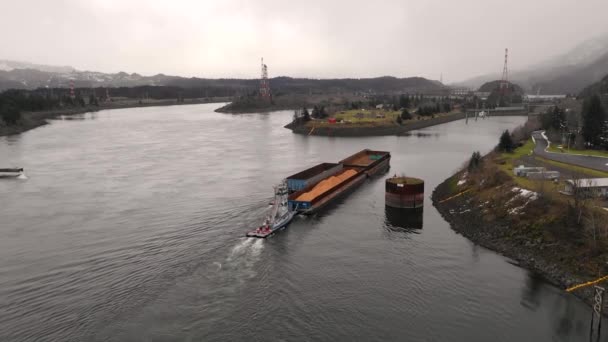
(598, 88)
(31, 77)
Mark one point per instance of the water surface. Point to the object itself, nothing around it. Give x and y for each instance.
(130, 225)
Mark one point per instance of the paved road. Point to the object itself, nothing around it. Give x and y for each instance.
(598, 163)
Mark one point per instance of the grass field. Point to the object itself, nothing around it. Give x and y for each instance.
(369, 118)
(597, 153)
(509, 161)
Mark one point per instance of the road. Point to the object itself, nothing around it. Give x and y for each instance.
(597, 163)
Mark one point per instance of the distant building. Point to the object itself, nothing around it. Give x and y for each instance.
(534, 172)
(482, 94)
(594, 187)
(460, 92)
(543, 98)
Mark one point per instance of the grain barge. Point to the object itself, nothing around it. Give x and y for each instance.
(316, 187)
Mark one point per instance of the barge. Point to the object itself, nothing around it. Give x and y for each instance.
(314, 188)
(11, 172)
(308, 191)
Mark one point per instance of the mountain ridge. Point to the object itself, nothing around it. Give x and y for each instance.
(63, 77)
(566, 73)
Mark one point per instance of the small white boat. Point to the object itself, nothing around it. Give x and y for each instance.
(11, 172)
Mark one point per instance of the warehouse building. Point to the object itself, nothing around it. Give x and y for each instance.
(595, 187)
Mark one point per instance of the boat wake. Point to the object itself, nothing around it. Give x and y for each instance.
(240, 249)
(243, 257)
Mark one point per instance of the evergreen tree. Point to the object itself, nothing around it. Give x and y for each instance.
(305, 114)
(474, 162)
(405, 115)
(9, 113)
(93, 100)
(553, 119)
(404, 101)
(505, 143)
(323, 113)
(594, 121)
(315, 112)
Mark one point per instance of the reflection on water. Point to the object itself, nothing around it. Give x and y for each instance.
(399, 219)
(420, 134)
(11, 139)
(78, 117)
(530, 296)
(132, 223)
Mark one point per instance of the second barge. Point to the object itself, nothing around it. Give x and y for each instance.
(314, 188)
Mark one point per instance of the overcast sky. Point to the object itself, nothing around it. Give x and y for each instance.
(318, 39)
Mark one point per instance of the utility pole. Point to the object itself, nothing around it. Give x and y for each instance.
(264, 85)
(504, 82)
(596, 314)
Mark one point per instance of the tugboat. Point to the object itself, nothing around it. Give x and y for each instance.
(11, 172)
(279, 216)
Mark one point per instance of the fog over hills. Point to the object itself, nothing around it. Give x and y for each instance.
(23, 75)
(569, 72)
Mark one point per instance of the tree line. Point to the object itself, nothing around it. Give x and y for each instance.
(15, 101)
(593, 131)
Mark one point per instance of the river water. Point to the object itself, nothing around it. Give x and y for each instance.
(130, 228)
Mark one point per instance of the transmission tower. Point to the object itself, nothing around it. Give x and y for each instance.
(72, 95)
(504, 82)
(264, 85)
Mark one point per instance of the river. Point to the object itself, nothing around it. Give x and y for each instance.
(130, 228)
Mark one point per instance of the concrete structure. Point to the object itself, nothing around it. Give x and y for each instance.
(522, 171)
(404, 192)
(543, 98)
(594, 187)
(551, 175)
(460, 92)
(534, 172)
(483, 95)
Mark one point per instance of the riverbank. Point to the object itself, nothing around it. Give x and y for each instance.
(370, 129)
(31, 120)
(254, 104)
(525, 220)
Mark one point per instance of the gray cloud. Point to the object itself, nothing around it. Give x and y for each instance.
(311, 39)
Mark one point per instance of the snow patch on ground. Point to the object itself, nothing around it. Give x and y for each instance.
(463, 179)
(528, 195)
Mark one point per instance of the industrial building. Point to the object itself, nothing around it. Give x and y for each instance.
(594, 187)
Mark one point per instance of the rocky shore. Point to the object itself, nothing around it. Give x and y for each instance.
(353, 130)
(556, 261)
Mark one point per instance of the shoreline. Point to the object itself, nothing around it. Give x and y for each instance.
(341, 130)
(251, 111)
(547, 260)
(31, 120)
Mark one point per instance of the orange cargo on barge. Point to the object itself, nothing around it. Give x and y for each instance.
(344, 177)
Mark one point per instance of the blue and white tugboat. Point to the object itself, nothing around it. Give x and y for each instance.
(279, 216)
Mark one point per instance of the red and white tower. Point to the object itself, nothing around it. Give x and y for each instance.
(264, 85)
(504, 82)
(72, 95)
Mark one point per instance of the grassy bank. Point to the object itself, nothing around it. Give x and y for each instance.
(372, 128)
(586, 152)
(563, 238)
